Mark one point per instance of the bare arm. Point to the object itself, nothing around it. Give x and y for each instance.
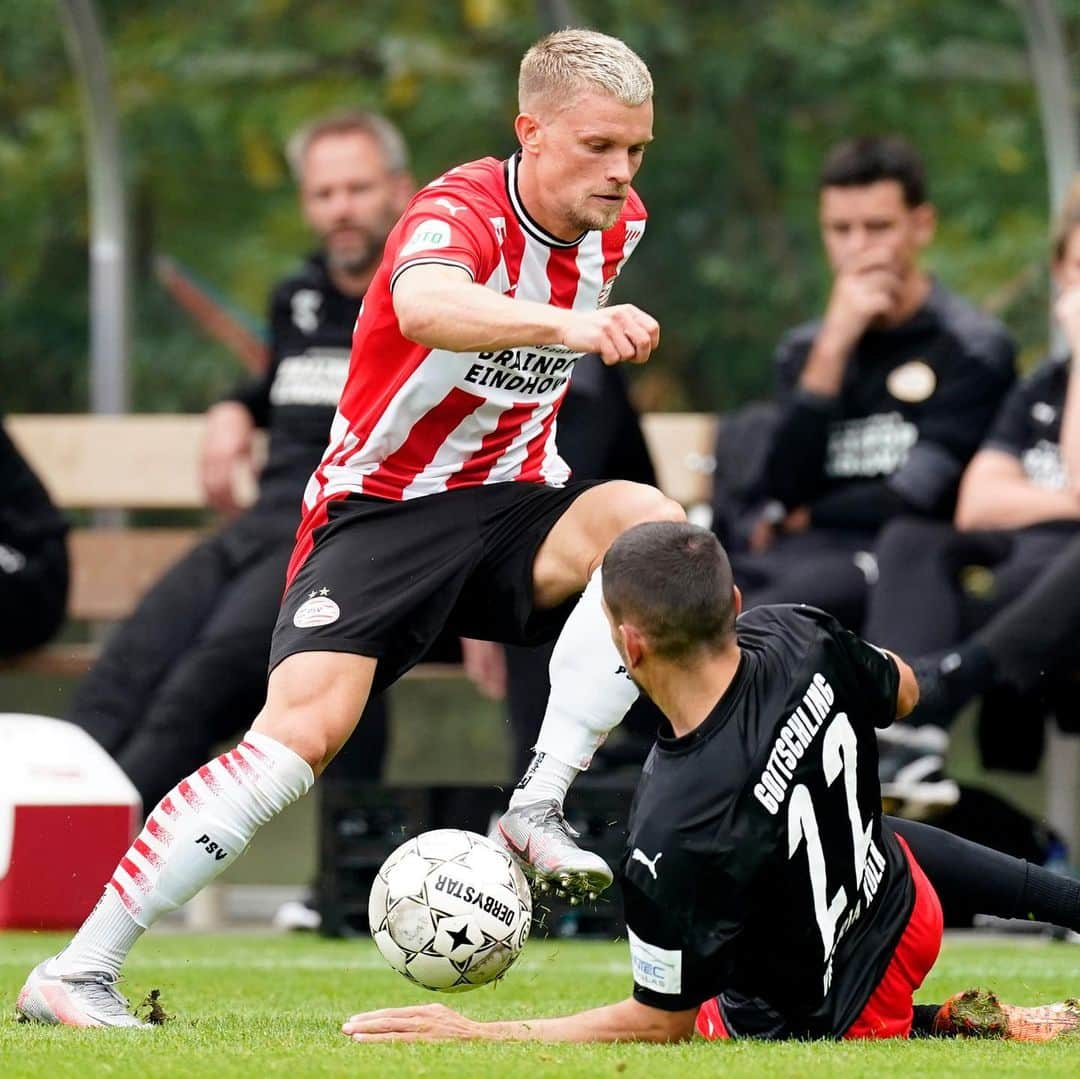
(995, 493)
(440, 307)
(626, 1021)
(907, 696)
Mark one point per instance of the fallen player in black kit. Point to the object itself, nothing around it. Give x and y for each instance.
(766, 896)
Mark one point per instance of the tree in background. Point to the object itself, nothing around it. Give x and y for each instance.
(749, 94)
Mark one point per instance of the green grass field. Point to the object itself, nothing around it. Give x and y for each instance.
(253, 1005)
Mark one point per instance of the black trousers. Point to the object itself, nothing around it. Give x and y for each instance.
(1027, 615)
(826, 568)
(188, 668)
(33, 593)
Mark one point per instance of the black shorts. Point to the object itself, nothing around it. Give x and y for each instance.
(384, 578)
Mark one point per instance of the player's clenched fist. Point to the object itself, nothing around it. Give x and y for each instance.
(620, 334)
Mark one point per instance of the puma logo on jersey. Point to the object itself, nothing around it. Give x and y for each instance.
(638, 855)
(451, 209)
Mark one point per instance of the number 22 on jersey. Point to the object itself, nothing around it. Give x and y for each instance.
(839, 754)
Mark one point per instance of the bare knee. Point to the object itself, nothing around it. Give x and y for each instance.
(313, 701)
(633, 504)
(638, 504)
(578, 542)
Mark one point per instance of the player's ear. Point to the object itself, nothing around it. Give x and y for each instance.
(527, 128)
(633, 645)
(925, 219)
(736, 600)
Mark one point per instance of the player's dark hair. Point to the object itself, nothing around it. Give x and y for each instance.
(869, 159)
(673, 582)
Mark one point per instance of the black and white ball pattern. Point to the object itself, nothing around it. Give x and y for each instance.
(450, 910)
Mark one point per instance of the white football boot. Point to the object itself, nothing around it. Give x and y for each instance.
(74, 1000)
(538, 836)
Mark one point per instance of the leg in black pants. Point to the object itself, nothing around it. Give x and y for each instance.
(920, 610)
(188, 669)
(116, 694)
(916, 606)
(972, 879)
(205, 697)
(1040, 628)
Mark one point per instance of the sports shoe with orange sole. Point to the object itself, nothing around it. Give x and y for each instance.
(977, 1013)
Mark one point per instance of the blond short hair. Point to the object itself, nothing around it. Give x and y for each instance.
(353, 122)
(562, 65)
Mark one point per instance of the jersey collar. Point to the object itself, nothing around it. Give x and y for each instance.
(528, 224)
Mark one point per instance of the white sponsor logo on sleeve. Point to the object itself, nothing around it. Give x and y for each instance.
(428, 236)
(316, 611)
(658, 969)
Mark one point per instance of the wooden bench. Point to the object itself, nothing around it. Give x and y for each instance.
(114, 464)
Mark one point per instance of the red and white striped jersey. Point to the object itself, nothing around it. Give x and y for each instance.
(415, 421)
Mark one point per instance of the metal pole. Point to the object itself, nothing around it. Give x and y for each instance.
(1050, 70)
(109, 288)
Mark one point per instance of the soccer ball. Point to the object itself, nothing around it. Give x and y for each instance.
(450, 910)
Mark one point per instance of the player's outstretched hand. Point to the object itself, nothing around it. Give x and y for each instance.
(422, 1023)
(620, 334)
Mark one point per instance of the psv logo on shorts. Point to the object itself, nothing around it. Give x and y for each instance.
(316, 610)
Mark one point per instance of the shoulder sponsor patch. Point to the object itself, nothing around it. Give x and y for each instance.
(429, 235)
(658, 969)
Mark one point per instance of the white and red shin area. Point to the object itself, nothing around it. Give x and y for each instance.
(198, 829)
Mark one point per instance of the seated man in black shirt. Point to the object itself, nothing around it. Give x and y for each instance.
(766, 896)
(190, 663)
(882, 401)
(33, 556)
(1016, 539)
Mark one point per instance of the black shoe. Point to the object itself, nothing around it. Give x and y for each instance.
(911, 769)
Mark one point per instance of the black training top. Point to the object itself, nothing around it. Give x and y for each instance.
(757, 870)
(27, 514)
(915, 403)
(1029, 424)
(311, 325)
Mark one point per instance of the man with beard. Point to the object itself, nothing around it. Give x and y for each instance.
(175, 677)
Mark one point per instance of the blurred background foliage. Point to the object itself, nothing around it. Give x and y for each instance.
(749, 95)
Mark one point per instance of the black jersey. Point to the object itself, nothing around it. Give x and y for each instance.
(757, 870)
(916, 401)
(311, 325)
(1029, 424)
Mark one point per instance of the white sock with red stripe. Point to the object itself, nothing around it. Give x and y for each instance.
(590, 694)
(198, 829)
